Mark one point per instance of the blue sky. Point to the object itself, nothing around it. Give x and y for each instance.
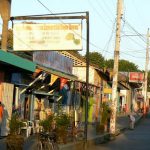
(102, 23)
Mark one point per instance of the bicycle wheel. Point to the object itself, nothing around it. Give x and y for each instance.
(48, 146)
(55, 146)
(80, 136)
(39, 146)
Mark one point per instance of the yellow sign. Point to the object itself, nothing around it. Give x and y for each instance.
(107, 91)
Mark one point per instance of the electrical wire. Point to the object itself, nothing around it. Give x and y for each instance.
(135, 41)
(82, 37)
(137, 12)
(110, 38)
(133, 56)
(92, 44)
(45, 6)
(105, 11)
(97, 12)
(113, 4)
(139, 34)
(107, 51)
(108, 8)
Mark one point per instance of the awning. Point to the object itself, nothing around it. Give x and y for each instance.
(58, 73)
(120, 86)
(17, 61)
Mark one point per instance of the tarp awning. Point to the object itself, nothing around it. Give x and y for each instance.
(17, 61)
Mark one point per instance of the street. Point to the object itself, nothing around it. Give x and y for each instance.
(137, 139)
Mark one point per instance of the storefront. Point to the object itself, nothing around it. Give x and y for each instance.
(14, 75)
(51, 88)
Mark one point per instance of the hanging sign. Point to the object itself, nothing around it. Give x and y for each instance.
(30, 37)
(136, 77)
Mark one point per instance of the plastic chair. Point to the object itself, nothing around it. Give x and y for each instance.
(31, 127)
(26, 128)
(37, 126)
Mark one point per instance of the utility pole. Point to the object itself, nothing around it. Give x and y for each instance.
(87, 79)
(5, 7)
(115, 69)
(146, 73)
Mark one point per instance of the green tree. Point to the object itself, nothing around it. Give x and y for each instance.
(109, 63)
(124, 65)
(96, 58)
(9, 40)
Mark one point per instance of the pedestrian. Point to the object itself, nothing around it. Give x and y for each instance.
(132, 121)
(1, 115)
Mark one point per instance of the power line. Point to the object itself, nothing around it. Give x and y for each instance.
(94, 8)
(139, 34)
(105, 11)
(110, 38)
(79, 35)
(137, 12)
(133, 56)
(107, 6)
(113, 3)
(45, 6)
(82, 37)
(135, 51)
(135, 41)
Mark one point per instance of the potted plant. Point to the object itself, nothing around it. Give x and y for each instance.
(62, 123)
(47, 123)
(14, 140)
(105, 113)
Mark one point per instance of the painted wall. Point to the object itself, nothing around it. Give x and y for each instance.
(80, 72)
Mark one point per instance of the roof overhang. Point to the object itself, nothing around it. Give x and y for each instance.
(17, 61)
(58, 73)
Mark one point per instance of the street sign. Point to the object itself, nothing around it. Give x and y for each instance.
(136, 77)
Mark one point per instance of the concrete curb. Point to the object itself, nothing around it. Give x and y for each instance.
(99, 139)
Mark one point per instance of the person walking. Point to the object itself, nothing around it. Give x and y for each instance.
(132, 121)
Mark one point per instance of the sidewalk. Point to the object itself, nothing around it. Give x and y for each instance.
(122, 124)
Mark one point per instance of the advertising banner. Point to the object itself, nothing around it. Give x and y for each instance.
(30, 37)
(136, 77)
(53, 60)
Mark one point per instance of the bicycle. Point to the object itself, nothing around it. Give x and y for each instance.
(47, 141)
(75, 133)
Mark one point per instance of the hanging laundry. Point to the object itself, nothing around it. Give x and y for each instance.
(77, 100)
(16, 78)
(63, 81)
(53, 79)
(63, 92)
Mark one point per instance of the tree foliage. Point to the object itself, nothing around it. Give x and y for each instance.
(97, 59)
(124, 65)
(127, 66)
(109, 63)
(9, 40)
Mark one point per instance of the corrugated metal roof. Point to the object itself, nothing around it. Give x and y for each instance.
(17, 61)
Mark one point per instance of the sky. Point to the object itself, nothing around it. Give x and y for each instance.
(134, 25)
